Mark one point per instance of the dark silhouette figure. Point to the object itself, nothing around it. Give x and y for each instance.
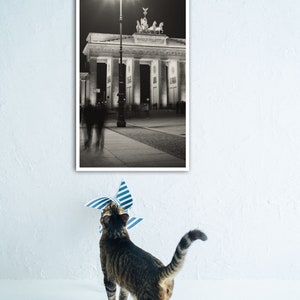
(100, 117)
(177, 107)
(182, 107)
(89, 120)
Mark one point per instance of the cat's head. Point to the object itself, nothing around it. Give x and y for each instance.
(114, 220)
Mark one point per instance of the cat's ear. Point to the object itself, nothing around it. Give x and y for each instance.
(124, 218)
(106, 219)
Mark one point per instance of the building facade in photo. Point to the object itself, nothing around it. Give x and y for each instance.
(154, 67)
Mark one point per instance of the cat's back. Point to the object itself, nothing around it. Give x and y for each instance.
(125, 253)
(132, 267)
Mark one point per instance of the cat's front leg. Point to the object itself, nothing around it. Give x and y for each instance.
(110, 287)
(123, 294)
(109, 282)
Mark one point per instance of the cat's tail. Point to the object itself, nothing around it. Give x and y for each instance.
(181, 250)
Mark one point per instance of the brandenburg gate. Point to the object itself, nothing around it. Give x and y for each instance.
(154, 72)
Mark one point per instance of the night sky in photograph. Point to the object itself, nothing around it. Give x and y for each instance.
(103, 16)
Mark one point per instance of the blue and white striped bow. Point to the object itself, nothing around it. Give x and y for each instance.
(123, 198)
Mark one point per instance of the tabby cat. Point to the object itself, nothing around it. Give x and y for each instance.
(136, 271)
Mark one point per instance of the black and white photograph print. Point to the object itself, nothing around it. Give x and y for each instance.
(132, 85)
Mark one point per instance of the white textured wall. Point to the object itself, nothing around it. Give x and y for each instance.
(243, 188)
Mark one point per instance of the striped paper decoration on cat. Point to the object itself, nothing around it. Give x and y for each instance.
(123, 198)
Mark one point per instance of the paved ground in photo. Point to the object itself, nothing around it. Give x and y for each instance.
(155, 141)
(169, 143)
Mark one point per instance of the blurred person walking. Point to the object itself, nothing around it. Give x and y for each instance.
(100, 117)
(89, 120)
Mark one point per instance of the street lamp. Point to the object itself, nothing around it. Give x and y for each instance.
(121, 101)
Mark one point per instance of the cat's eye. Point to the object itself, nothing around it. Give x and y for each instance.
(168, 291)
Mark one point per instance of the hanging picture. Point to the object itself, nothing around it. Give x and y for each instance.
(132, 85)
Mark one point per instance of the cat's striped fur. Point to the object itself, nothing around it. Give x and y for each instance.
(136, 271)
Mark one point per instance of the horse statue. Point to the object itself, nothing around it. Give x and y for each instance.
(138, 26)
(144, 24)
(152, 29)
(159, 29)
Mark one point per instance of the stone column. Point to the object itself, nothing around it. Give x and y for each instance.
(93, 80)
(155, 85)
(129, 83)
(163, 85)
(173, 82)
(82, 91)
(108, 83)
(182, 82)
(136, 85)
(115, 82)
